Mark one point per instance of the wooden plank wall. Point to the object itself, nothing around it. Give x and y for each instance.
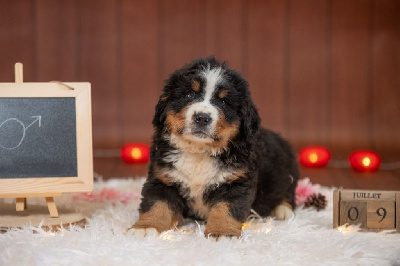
(321, 71)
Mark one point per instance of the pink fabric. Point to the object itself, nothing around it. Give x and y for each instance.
(108, 194)
(305, 189)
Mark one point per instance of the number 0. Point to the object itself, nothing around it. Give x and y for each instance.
(349, 213)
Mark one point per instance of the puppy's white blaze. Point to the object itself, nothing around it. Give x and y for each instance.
(212, 77)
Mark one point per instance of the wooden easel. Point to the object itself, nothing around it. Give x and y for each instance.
(21, 198)
(19, 214)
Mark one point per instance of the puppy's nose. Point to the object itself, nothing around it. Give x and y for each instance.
(202, 119)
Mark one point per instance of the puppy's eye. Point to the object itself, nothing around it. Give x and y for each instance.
(223, 102)
(191, 95)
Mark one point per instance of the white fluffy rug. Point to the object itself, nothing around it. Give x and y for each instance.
(307, 239)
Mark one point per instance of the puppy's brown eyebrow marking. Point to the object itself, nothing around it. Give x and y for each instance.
(223, 94)
(195, 85)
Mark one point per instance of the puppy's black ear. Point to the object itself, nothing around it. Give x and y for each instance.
(160, 114)
(250, 119)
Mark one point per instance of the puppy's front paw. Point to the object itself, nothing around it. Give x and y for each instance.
(142, 232)
(283, 211)
(221, 223)
(218, 233)
(158, 219)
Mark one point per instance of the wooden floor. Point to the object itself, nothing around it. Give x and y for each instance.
(328, 176)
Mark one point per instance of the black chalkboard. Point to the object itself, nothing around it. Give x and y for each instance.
(38, 137)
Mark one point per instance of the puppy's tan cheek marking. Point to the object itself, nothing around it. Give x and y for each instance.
(221, 223)
(175, 122)
(225, 131)
(195, 85)
(229, 131)
(159, 217)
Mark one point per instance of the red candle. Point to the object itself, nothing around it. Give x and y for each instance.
(365, 161)
(314, 156)
(135, 153)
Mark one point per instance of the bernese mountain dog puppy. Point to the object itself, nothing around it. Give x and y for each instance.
(210, 159)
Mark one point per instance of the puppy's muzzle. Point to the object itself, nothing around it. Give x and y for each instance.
(202, 120)
(201, 125)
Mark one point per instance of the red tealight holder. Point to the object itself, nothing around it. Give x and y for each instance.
(135, 153)
(365, 161)
(314, 156)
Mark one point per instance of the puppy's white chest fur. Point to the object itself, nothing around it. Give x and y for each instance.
(195, 171)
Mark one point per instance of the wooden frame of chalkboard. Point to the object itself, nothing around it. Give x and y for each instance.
(47, 185)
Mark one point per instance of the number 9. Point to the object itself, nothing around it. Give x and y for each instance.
(378, 211)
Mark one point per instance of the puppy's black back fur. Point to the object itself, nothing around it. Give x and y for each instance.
(277, 172)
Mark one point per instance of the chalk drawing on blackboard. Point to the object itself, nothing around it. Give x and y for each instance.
(21, 138)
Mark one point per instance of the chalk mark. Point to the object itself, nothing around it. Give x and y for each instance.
(37, 118)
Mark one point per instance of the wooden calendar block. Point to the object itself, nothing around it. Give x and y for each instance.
(381, 214)
(372, 210)
(398, 212)
(353, 212)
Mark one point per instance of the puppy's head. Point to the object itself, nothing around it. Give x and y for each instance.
(205, 106)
